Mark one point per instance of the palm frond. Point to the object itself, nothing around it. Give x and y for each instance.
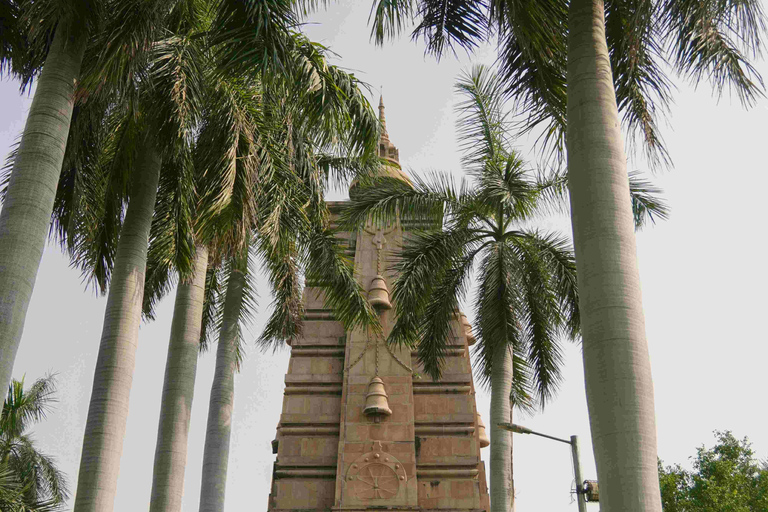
(231, 157)
(171, 239)
(123, 47)
(532, 61)
(253, 34)
(90, 236)
(648, 204)
(712, 39)
(176, 99)
(282, 223)
(25, 407)
(497, 306)
(483, 126)
(507, 187)
(282, 266)
(211, 302)
(238, 303)
(442, 304)
(327, 266)
(541, 305)
(427, 199)
(451, 24)
(422, 263)
(7, 169)
(642, 88)
(388, 18)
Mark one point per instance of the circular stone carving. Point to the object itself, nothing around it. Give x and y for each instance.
(375, 481)
(375, 477)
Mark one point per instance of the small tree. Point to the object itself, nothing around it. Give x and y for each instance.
(726, 478)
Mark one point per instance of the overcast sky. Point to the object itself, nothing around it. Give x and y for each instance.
(703, 293)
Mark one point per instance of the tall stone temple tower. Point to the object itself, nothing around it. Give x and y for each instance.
(362, 427)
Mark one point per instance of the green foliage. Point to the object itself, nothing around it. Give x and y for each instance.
(705, 40)
(725, 478)
(29, 480)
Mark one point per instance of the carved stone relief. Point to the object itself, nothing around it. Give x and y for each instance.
(376, 475)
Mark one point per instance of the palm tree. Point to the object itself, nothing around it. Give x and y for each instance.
(178, 389)
(39, 483)
(43, 40)
(228, 358)
(12, 495)
(527, 279)
(239, 153)
(527, 296)
(317, 134)
(609, 52)
(168, 87)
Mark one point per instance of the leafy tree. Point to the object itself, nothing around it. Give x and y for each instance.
(725, 478)
(527, 298)
(32, 480)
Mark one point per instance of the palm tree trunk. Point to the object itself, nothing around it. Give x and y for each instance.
(178, 390)
(108, 410)
(26, 213)
(511, 458)
(616, 361)
(216, 453)
(501, 440)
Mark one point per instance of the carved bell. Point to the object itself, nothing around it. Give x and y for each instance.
(481, 433)
(376, 400)
(468, 330)
(378, 294)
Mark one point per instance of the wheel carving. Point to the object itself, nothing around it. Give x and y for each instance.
(376, 475)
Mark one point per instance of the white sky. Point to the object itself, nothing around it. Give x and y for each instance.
(702, 284)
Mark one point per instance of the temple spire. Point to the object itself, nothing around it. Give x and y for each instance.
(383, 119)
(387, 152)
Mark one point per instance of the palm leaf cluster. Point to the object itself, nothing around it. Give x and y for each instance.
(224, 133)
(29, 479)
(699, 39)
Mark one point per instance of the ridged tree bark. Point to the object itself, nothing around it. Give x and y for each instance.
(616, 361)
(217, 435)
(178, 390)
(501, 440)
(26, 213)
(108, 410)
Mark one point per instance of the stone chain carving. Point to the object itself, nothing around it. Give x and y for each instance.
(376, 344)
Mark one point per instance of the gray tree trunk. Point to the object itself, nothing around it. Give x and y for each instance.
(512, 456)
(216, 452)
(501, 440)
(616, 361)
(108, 410)
(26, 213)
(178, 390)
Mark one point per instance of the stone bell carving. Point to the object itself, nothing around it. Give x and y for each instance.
(481, 433)
(378, 294)
(468, 330)
(376, 400)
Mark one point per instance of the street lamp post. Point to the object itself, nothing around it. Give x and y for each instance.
(574, 444)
